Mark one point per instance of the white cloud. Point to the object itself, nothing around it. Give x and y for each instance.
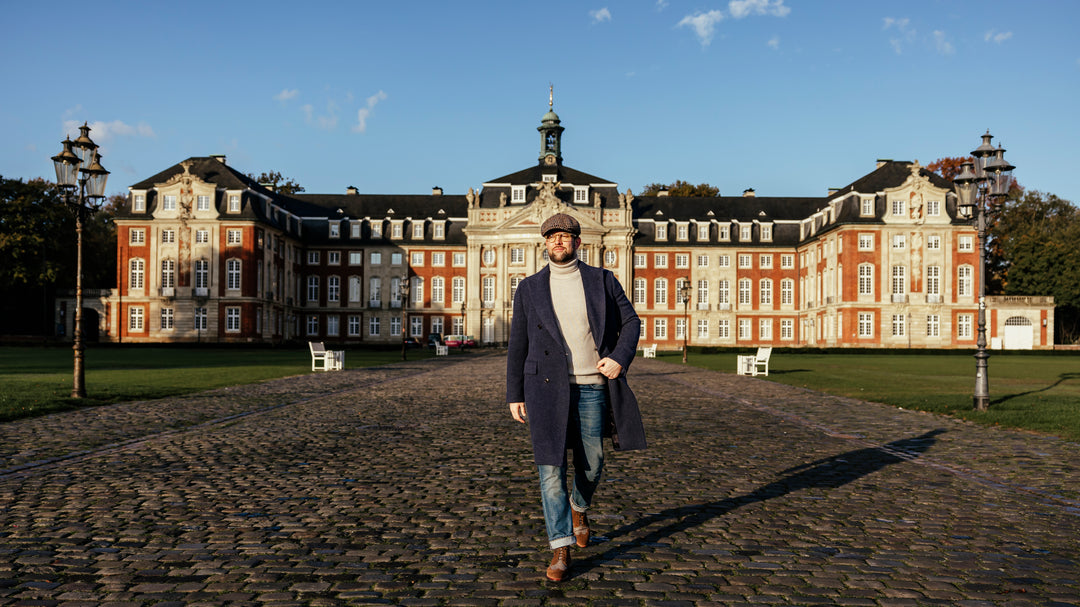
(600, 15)
(942, 45)
(774, 42)
(327, 121)
(906, 33)
(997, 37)
(101, 132)
(363, 113)
(661, 4)
(745, 8)
(703, 24)
(286, 95)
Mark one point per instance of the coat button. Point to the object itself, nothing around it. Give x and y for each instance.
(546, 380)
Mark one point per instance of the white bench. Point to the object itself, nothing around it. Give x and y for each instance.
(754, 364)
(441, 350)
(325, 360)
(649, 351)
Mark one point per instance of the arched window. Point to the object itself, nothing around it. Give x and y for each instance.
(866, 279)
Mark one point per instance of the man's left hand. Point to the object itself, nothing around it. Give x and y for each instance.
(609, 368)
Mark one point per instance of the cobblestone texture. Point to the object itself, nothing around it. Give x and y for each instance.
(411, 485)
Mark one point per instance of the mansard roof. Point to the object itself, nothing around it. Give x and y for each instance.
(729, 208)
(891, 174)
(534, 174)
(404, 207)
(208, 168)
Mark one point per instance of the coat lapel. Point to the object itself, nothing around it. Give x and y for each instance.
(595, 301)
(544, 308)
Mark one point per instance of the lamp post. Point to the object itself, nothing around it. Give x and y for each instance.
(980, 184)
(82, 185)
(404, 288)
(463, 333)
(684, 293)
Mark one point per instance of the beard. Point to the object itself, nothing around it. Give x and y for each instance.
(562, 256)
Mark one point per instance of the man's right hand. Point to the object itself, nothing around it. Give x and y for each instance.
(518, 411)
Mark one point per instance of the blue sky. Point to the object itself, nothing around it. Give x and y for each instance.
(789, 97)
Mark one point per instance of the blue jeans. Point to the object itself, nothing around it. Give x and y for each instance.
(585, 434)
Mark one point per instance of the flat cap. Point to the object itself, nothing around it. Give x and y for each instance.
(560, 222)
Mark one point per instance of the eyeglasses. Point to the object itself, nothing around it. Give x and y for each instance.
(563, 236)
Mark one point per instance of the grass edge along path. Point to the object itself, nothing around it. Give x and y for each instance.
(1028, 391)
(37, 381)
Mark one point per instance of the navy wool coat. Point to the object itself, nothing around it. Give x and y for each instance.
(536, 365)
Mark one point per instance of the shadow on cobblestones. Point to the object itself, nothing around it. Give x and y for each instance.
(828, 473)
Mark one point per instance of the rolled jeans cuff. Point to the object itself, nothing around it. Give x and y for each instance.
(562, 541)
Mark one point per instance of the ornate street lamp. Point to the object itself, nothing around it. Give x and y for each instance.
(80, 170)
(404, 288)
(463, 333)
(684, 293)
(980, 184)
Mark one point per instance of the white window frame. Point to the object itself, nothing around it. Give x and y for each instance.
(866, 241)
(661, 231)
(137, 236)
(136, 319)
(866, 325)
(660, 291)
(660, 260)
(232, 319)
(234, 237)
(517, 193)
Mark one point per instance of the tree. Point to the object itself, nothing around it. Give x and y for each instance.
(1036, 235)
(682, 188)
(278, 182)
(947, 167)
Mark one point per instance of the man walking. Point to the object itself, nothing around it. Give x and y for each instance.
(572, 337)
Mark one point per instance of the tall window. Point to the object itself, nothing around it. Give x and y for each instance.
(354, 323)
(765, 328)
(232, 274)
(514, 282)
(333, 289)
(866, 324)
(438, 291)
(373, 327)
(659, 291)
(457, 285)
(933, 280)
(313, 288)
(765, 292)
(963, 281)
(899, 280)
(135, 318)
(787, 328)
(417, 290)
(416, 326)
(703, 328)
(333, 322)
(355, 292)
(866, 279)
(787, 292)
(723, 289)
(679, 282)
(933, 325)
(680, 328)
(168, 273)
(744, 328)
(395, 326)
(744, 291)
(232, 320)
(375, 291)
(639, 290)
(313, 324)
(702, 293)
(963, 326)
(136, 274)
(659, 328)
(723, 328)
(200, 319)
(166, 319)
(488, 290)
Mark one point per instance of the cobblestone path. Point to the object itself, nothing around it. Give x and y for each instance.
(411, 485)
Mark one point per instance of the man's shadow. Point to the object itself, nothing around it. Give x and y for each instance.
(828, 473)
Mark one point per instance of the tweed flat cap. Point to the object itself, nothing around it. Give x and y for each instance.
(560, 222)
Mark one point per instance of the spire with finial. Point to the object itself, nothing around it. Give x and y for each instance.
(551, 96)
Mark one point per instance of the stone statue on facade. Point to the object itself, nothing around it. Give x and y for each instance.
(470, 197)
(502, 199)
(596, 199)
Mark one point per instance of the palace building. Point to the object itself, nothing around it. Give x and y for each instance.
(207, 254)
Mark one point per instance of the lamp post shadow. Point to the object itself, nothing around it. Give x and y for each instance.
(828, 473)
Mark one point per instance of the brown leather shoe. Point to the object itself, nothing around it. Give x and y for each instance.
(560, 564)
(581, 528)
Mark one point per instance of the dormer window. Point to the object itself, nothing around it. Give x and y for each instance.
(517, 193)
(744, 233)
(438, 231)
(234, 203)
(396, 230)
(581, 194)
(867, 207)
(376, 229)
(703, 232)
(335, 229)
(661, 231)
(139, 205)
(548, 178)
(682, 232)
(418, 230)
(766, 233)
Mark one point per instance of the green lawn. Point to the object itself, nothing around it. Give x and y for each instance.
(36, 381)
(1034, 391)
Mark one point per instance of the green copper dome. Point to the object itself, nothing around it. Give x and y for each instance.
(550, 116)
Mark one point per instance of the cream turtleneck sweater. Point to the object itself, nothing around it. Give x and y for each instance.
(568, 299)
